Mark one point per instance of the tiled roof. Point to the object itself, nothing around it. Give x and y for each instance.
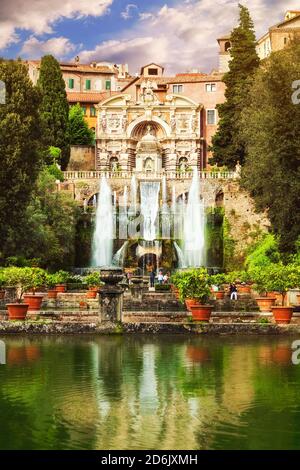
(76, 67)
(184, 78)
(77, 97)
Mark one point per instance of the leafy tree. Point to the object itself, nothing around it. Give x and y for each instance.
(271, 128)
(80, 133)
(49, 226)
(54, 108)
(264, 253)
(228, 143)
(20, 154)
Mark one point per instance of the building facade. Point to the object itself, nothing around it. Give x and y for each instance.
(87, 84)
(279, 35)
(176, 115)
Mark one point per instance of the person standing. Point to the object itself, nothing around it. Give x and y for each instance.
(160, 277)
(152, 278)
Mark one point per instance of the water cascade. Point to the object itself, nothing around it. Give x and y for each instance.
(133, 196)
(194, 225)
(149, 209)
(119, 257)
(102, 246)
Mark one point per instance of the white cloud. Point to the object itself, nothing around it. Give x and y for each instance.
(38, 16)
(128, 12)
(60, 47)
(185, 35)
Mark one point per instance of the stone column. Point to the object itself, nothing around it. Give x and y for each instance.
(111, 295)
(136, 288)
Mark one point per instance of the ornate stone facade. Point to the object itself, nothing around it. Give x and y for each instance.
(124, 123)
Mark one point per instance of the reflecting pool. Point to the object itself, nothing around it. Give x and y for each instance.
(149, 392)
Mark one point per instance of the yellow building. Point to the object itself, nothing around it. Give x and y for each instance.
(87, 84)
(279, 35)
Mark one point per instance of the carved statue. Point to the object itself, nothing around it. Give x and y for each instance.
(147, 95)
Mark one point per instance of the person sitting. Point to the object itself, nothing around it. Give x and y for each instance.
(233, 291)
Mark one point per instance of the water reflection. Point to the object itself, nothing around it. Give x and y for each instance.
(162, 392)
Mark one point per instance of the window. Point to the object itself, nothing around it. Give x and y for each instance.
(211, 117)
(83, 110)
(152, 72)
(88, 84)
(71, 83)
(92, 111)
(177, 88)
(108, 85)
(210, 87)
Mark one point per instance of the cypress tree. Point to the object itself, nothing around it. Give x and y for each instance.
(54, 108)
(20, 152)
(80, 133)
(227, 144)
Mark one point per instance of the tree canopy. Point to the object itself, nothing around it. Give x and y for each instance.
(80, 133)
(20, 153)
(271, 130)
(54, 107)
(228, 144)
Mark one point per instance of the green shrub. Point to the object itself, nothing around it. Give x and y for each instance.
(162, 287)
(93, 279)
(193, 284)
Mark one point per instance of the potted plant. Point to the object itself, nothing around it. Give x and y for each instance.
(282, 278)
(93, 282)
(51, 282)
(194, 290)
(21, 279)
(260, 277)
(2, 284)
(62, 277)
(38, 280)
(244, 281)
(218, 281)
(175, 279)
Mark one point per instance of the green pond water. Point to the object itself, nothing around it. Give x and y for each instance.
(149, 392)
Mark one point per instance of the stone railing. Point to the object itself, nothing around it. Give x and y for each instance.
(170, 175)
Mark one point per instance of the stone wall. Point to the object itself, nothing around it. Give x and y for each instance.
(82, 158)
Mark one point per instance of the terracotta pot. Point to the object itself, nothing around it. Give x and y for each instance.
(220, 295)
(242, 289)
(34, 301)
(282, 355)
(277, 296)
(17, 311)
(282, 315)
(265, 303)
(189, 303)
(176, 293)
(92, 293)
(52, 294)
(198, 354)
(32, 353)
(16, 355)
(201, 312)
(2, 294)
(61, 288)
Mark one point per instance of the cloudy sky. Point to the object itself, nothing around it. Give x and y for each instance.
(179, 34)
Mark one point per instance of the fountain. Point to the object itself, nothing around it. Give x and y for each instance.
(102, 247)
(133, 196)
(194, 225)
(149, 209)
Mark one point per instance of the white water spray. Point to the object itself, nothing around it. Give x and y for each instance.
(103, 234)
